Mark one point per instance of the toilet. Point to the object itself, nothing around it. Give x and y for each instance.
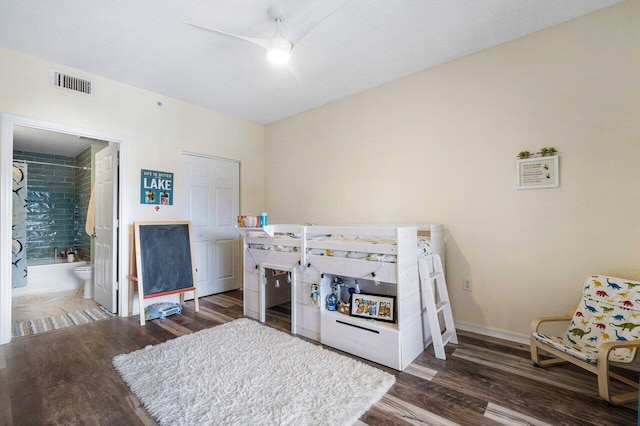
(85, 273)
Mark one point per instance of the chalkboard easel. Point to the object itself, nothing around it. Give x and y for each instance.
(163, 261)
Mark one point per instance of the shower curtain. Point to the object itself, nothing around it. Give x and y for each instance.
(19, 226)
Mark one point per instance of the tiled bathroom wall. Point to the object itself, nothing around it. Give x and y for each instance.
(83, 194)
(54, 203)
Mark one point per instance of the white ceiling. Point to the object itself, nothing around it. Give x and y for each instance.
(365, 43)
(30, 139)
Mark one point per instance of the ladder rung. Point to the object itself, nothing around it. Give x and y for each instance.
(446, 336)
(436, 275)
(441, 305)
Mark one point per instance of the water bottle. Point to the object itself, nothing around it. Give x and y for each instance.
(332, 300)
(263, 219)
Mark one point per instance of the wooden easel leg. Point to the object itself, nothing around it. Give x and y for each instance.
(141, 303)
(195, 299)
(132, 288)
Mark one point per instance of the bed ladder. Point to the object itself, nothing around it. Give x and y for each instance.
(434, 287)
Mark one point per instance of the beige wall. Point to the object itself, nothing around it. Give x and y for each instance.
(155, 136)
(441, 145)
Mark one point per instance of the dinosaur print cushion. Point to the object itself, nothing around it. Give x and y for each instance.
(609, 311)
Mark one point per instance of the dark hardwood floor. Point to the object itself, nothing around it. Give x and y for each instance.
(66, 377)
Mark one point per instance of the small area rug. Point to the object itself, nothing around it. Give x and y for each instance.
(29, 327)
(245, 373)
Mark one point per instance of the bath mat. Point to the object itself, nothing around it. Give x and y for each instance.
(245, 373)
(29, 327)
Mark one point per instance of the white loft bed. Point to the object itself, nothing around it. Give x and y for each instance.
(382, 258)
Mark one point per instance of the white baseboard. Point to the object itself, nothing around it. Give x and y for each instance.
(492, 332)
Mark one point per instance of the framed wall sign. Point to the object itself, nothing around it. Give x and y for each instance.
(535, 173)
(156, 187)
(373, 306)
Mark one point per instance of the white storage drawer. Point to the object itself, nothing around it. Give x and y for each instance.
(373, 341)
(385, 272)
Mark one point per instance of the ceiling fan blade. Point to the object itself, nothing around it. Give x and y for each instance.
(312, 18)
(262, 42)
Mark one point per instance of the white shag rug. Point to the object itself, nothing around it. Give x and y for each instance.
(245, 373)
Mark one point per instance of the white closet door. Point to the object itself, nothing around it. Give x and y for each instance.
(212, 204)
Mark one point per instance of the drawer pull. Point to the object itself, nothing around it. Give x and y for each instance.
(358, 326)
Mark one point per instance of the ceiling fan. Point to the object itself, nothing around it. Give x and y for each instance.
(279, 46)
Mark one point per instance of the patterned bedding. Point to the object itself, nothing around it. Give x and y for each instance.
(424, 247)
(278, 247)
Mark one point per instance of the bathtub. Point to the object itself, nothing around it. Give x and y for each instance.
(50, 275)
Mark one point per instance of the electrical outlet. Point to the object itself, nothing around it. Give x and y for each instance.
(466, 284)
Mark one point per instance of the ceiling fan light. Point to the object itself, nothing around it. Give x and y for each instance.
(280, 51)
(277, 56)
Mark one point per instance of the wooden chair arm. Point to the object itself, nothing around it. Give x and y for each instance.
(604, 349)
(535, 323)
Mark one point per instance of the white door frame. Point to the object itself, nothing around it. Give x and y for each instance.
(6, 200)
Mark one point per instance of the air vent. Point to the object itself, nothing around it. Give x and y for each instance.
(69, 82)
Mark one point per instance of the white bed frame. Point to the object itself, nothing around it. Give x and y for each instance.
(395, 345)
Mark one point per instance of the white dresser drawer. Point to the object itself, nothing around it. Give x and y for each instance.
(376, 342)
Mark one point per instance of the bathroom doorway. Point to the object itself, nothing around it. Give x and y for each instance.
(33, 141)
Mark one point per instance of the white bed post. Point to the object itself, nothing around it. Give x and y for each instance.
(437, 241)
(263, 285)
(294, 301)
